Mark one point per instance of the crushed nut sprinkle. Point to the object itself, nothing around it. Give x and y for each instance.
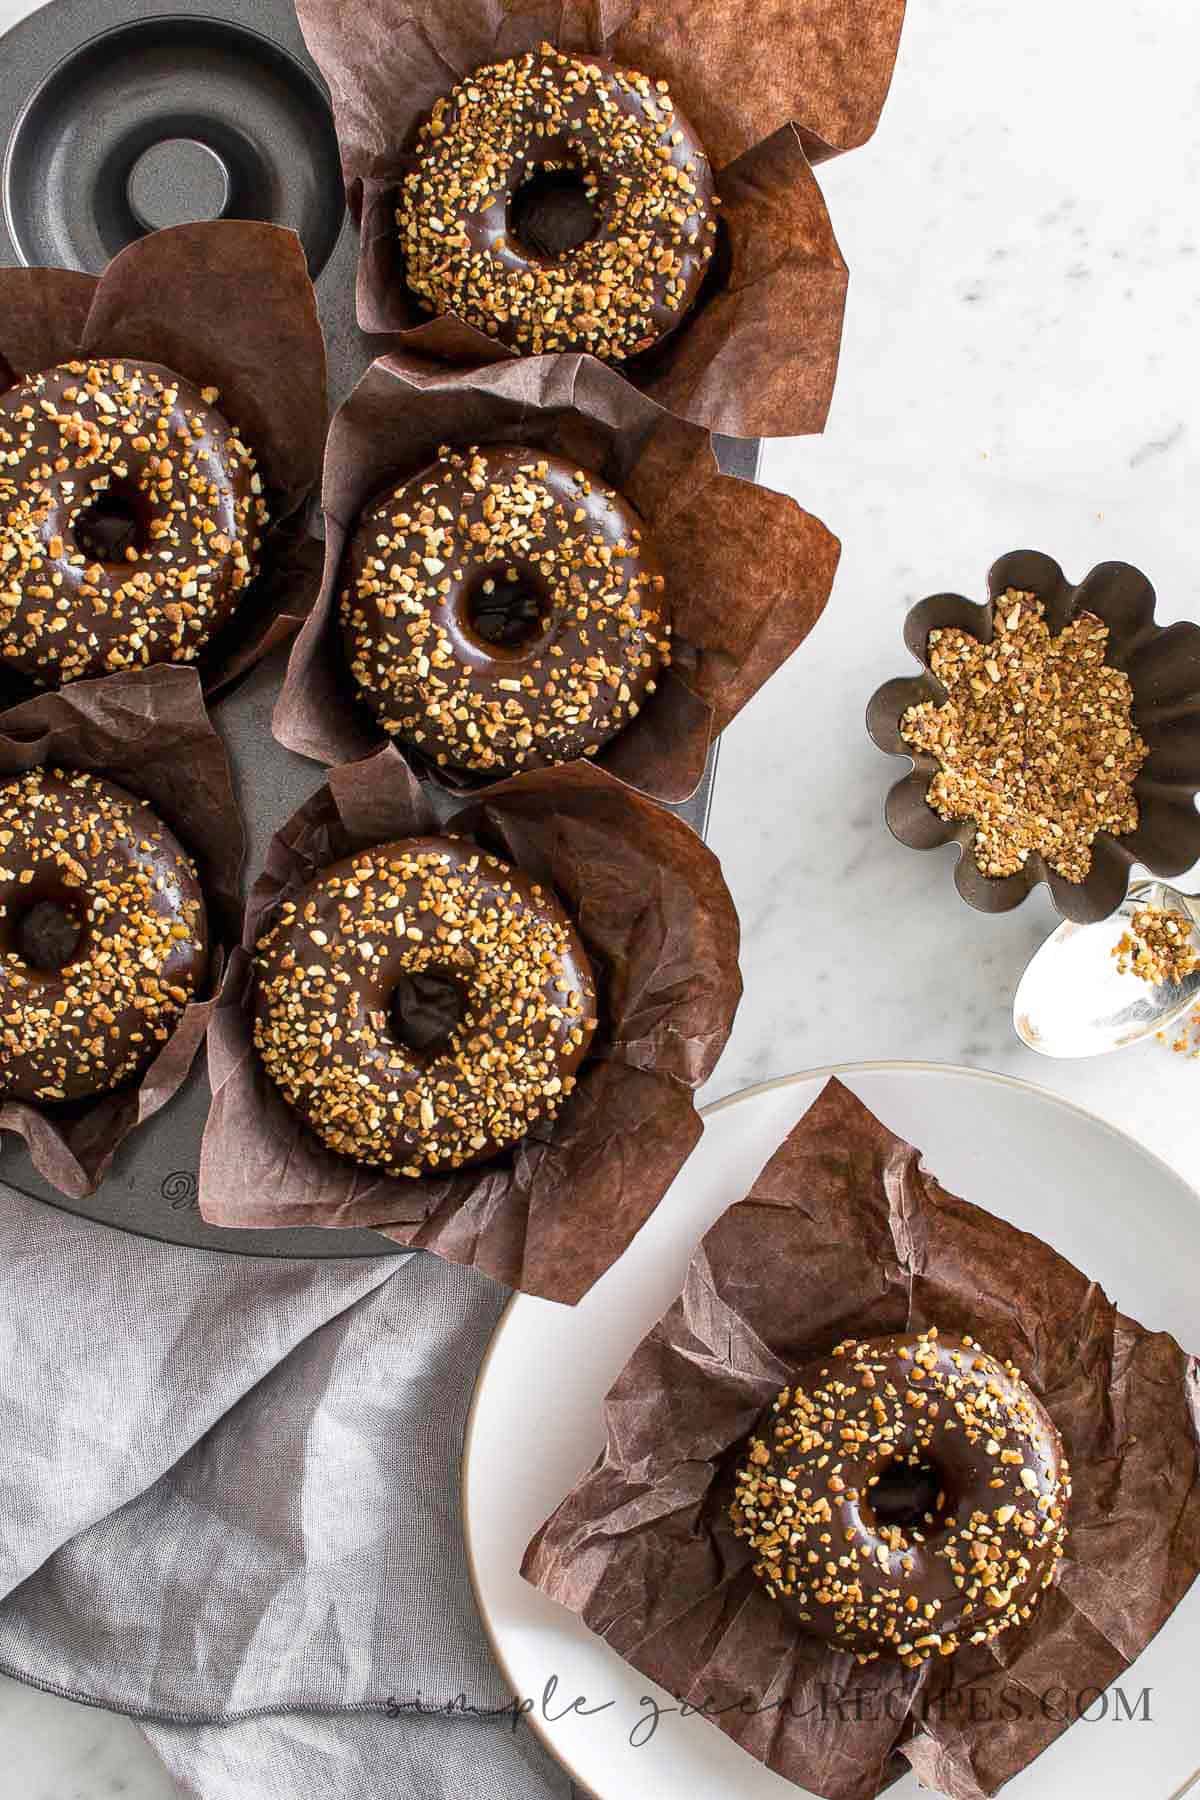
(1186, 1041)
(329, 966)
(1159, 947)
(645, 176)
(82, 843)
(425, 553)
(89, 433)
(1036, 741)
(965, 1570)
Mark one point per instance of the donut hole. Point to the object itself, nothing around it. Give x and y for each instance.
(553, 212)
(111, 528)
(508, 609)
(47, 934)
(907, 1494)
(425, 1010)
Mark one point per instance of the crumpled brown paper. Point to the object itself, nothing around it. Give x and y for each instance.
(846, 1234)
(748, 573)
(656, 918)
(758, 355)
(149, 731)
(227, 304)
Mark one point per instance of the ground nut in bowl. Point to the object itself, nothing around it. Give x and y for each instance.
(1054, 735)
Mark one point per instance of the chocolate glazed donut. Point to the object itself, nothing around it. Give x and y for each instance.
(422, 1005)
(131, 516)
(559, 203)
(103, 936)
(908, 1495)
(502, 611)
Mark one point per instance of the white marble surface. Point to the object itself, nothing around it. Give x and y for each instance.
(51, 1749)
(1019, 368)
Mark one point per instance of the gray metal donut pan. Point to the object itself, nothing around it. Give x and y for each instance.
(116, 118)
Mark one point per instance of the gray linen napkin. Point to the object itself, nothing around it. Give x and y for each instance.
(229, 1491)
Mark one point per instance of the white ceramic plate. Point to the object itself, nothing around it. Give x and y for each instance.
(1027, 1156)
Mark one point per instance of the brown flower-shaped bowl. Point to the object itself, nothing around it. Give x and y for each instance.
(1163, 666)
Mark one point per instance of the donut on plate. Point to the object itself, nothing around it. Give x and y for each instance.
(131, 518)
(503, 610)
(556, 202)
(422, 1005)
(907, 1495)
(103, 936)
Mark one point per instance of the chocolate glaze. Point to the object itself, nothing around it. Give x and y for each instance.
(85, 864)
(519, 272)
(153, 581)
(566, 557)
(974, 1563)
(328, 971)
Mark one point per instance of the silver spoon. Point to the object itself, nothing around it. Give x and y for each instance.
(1073, 1001)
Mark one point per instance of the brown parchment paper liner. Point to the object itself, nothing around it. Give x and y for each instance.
(227, 304)
(846, 1233)
(758, 355)
(147, 730)
(1163, 666)
(748, 573)
(657, 920)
